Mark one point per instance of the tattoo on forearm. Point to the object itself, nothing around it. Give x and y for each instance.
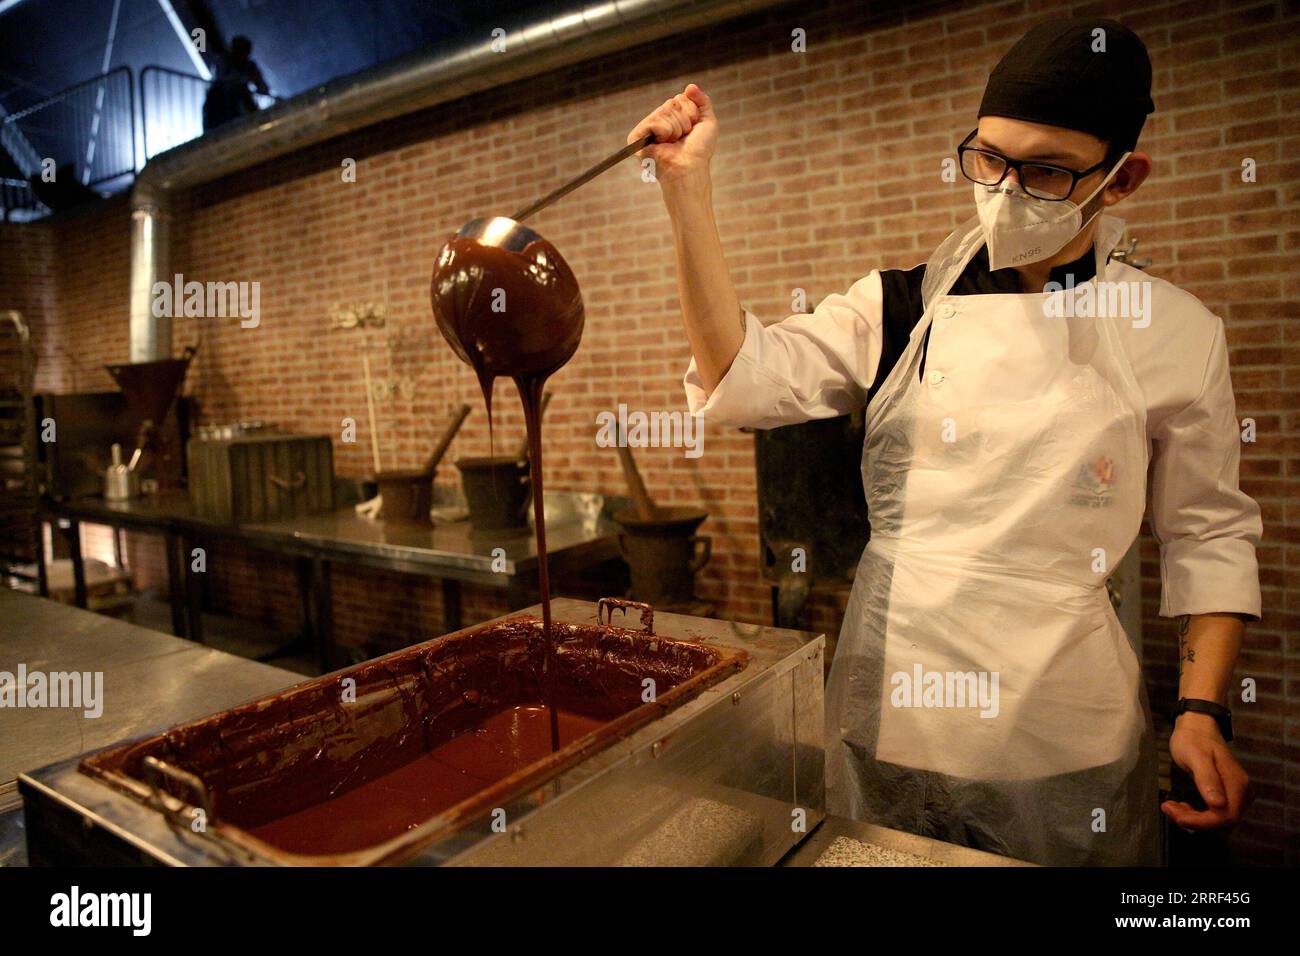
(1186, 654)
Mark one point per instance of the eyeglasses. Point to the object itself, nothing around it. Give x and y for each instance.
(1040, 180)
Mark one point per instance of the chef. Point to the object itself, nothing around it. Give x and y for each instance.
(1020, 386)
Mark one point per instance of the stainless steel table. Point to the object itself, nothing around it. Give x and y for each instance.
(714, 780)
(580, 535)
(150, 681)
(579, 532)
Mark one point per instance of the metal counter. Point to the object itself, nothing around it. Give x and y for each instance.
(580, 533)
(150, 680)
(732, 776)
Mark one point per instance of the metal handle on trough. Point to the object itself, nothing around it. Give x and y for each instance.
(154, 769)
(289, 485)
(606, 607)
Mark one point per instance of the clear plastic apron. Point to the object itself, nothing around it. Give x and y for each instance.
(983, 690)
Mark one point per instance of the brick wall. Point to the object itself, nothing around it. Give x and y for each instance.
(68, 276)
(29, 282)
(827, 168)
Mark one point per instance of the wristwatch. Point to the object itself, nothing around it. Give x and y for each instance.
(1222, 716)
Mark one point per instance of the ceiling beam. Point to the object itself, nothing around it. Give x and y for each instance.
(183, 29)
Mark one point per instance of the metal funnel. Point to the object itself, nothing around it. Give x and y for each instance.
(151, 387)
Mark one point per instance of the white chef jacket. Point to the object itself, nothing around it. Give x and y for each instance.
(822, 364)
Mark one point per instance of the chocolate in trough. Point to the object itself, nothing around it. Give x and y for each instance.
(437, 735)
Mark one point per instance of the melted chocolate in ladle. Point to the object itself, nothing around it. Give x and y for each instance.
(509, 305)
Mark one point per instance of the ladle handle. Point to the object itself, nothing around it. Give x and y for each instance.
(628, 150)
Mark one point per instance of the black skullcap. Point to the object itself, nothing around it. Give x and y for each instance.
(1066, 73)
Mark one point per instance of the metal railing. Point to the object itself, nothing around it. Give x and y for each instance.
(171, 107)
(90, 126)
(17, 201)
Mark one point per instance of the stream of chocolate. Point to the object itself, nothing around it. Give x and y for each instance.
(517, 315)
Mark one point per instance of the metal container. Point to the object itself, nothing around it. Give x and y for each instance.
(121, 480)
(232, 430)
(260, 477)
(725, 766)
(121, 483)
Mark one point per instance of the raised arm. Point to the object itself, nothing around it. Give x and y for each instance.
(812, 365)
(686, 131)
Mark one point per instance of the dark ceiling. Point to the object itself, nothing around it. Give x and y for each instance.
(47, 45)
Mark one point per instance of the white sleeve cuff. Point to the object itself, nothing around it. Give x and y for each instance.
(1218, 575)
(746, 395)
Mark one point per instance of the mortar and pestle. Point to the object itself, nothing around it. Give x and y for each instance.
(659, 544)
(408, 495)
(497, 488)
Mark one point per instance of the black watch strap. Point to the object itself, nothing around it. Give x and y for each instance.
(1222, 715)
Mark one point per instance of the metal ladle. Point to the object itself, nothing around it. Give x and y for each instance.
(509, 233)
